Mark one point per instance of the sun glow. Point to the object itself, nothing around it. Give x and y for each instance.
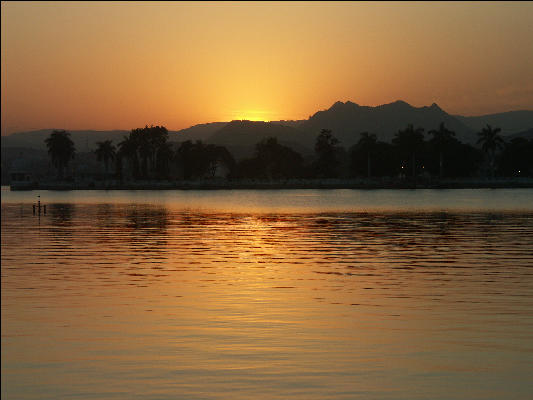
(256, 61)
(252, 115)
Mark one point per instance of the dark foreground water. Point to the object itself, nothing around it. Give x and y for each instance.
(268, 295)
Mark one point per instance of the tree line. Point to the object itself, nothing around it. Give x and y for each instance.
(147, 154)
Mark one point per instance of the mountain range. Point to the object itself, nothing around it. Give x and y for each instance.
(346, 120)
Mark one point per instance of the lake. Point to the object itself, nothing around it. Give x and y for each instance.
(268, 294)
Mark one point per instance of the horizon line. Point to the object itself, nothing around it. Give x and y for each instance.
(267, 121)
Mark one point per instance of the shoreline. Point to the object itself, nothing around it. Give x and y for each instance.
(512, 183)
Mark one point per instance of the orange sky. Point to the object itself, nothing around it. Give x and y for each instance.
(120, 65)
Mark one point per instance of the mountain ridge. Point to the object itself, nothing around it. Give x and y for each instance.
(346, 120)
(510, 122)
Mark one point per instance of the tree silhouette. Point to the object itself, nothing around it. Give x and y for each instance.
(516, 159)
(61, 150)
(184, 157)
(410, 141)
(157, 137)
(277, 161)
(128, 150)
(367, 144)
(216, 155)
(143, 147)
(105, 152)
(326, 149)
(199, 160)
(442, 139)
(163, 157)
(490, 142)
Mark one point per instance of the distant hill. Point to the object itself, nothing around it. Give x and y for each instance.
(528, 134)
(242, 136)
(348, 120)
(292, 123)
(197, 132)
(510, 122)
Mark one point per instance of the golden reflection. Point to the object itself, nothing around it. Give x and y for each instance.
(337, 303)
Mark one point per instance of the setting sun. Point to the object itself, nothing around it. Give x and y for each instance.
(252, 115)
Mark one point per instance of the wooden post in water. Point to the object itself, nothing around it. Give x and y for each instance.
(37, 208)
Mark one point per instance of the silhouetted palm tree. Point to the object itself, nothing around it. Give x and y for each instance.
(147, 151)
(157, 137)
(410, 141)
(61, 150)
(105, 152)
(128, 149)
(490, 142)
(326, 149)
(143, 149)
(442, 138)
(163, 156)
(367, 143)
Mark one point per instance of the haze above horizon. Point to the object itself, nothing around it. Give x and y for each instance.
(117, 65)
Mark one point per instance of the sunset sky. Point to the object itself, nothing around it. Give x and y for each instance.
(120, 65)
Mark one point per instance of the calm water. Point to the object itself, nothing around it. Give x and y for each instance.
(307, 294)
